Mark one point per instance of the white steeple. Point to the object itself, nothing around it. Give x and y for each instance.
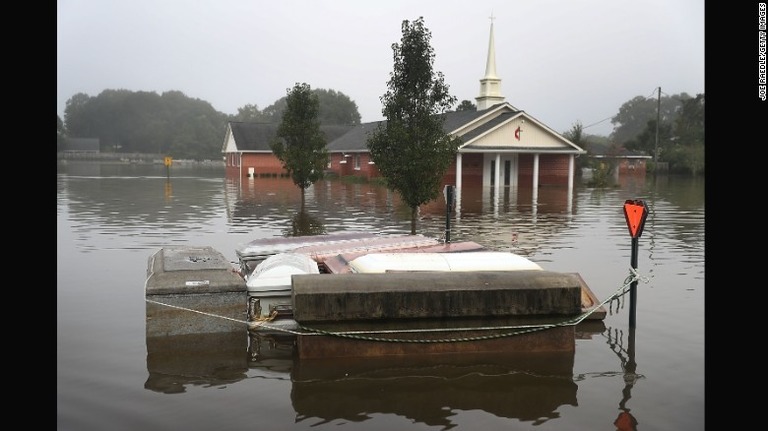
(490, 85)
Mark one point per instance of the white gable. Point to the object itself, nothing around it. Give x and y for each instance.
(230, 146)
(520, 133)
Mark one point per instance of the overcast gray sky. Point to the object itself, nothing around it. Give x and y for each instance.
(561, 61)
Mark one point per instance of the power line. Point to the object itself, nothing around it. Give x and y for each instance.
(595, 124)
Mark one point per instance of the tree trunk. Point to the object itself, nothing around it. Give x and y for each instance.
(414, 212)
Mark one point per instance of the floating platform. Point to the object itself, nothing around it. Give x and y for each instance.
(438, 294)
(404, 313)
(394, 311)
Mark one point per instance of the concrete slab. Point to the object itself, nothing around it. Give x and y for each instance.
(403, 295)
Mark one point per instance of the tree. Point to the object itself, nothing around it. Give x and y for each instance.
(689, 126)
(335, 108)
(646, 140)
(466, 105)
(411, 149)
(300, 144)
(60, 134)
(79, 117)
(634, 115)
(144, 122)
(576, 135)
(250, 113)
(687, 152)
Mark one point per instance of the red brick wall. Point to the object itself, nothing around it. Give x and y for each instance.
(365, 170)
(471, 171)
(553, 169)
(264, 164)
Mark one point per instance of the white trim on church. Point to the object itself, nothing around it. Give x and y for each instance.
(513, 133)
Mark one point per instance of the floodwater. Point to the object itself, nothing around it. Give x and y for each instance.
(112, 217)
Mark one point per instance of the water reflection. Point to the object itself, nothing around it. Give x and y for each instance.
(208, 360)
(429, 390)
(303, 224)
(271, 205)
(128, 199)
(529, 387)
(623, 346)
(625, 421)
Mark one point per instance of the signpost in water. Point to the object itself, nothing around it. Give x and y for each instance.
(635, 211)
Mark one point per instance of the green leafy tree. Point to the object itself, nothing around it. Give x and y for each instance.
(576, 135)
(61, 134)
(689, 126)
(633, 115)
(172, 124)
(410, 148)
(466, 105)
(79, 116)
(685, 151)
(335, 108)
(251, 114)
(646, 140)
(602, 173)
(274, 112)
(145, 122)
(299, 143)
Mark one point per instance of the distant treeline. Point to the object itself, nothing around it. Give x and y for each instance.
(182, 127)
(171, 123)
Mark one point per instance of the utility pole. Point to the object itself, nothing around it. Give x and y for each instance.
(656, 148)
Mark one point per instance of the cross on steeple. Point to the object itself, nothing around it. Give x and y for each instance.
(490, 84)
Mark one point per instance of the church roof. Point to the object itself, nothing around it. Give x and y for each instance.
(355, 140)
(257, 136)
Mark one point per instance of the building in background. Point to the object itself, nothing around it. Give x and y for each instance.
(502, 145)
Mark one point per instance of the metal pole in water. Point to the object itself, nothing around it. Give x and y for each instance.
(633, 285)
(168, 162)
(635, 212)
(448, 195)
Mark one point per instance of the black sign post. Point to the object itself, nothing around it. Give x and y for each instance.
(635, 212)
(448, 194)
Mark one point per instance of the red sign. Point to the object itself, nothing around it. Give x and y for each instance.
(635, 212)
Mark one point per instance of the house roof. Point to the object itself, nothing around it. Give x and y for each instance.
(469, 125)
(477, 131)
(257, 136)
(356, 139)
